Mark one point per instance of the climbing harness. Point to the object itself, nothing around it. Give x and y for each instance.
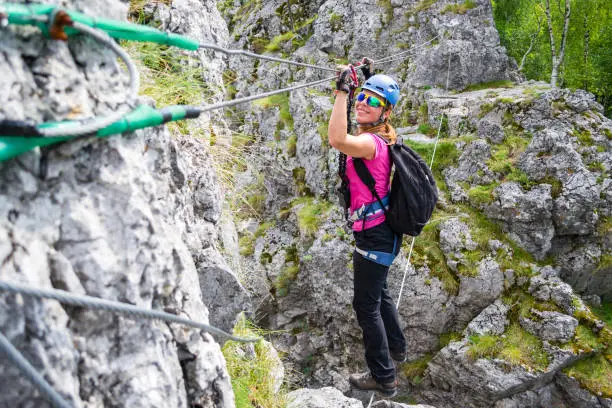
(381, 258)
(371, 211)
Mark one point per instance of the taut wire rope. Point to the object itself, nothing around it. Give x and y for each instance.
(31, 374)
(263, 57)
(433, 155)
(113, 306)
(85, 127)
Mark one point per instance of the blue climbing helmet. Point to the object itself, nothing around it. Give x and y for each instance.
(384, 86)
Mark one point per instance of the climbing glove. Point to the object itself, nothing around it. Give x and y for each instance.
(367, 67)
(347, 80)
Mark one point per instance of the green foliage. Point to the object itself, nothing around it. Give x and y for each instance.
(483, 346)
(299, 178)
(485, 108)
(504, 156)
(427, 252)
(285, 278)
(480, 195)
(292, 145)
(280, 101)
(584, 137)
(426, 129)
(423, 114)
(604, 312)
(388, 10)
(587, 61)
(488, 85)
(252, 374)
(459, 8)
(247, 241)
(335, 21)
(168, 76)
(229, 79)
(594, 374)
(414, 370)
(447, 338)
(422, 6)
(311, 213)
(517, 347)
(277, 42)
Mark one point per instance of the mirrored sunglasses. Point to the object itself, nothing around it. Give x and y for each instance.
(371, 100)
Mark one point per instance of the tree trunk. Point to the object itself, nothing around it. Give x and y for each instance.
(534, 39)
(587, 38)
(557, 60)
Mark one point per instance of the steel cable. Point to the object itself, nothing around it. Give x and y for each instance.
(113, 306)
(226, 104)
(89, 126)
(399, 298)
(262, 57)
(31, 373)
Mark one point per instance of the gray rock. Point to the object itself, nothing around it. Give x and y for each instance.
(326, 397)
(526, 215)
(581, 101)
(122, 218)
(547, 286)
(472, 165)
(391, 404)
(578, 397)
(551, 326)
(454, 237)
(476, 293)
(491, 131)
(492, 320)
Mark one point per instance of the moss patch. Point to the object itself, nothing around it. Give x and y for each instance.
(252, 376)
(486, 85)
(414, 370)
(594, 374)
(311, 214)
(517, 347)
(459, 8)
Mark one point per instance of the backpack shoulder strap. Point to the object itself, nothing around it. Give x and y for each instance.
(366, 178)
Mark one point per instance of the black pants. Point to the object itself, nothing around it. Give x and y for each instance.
(376, 312)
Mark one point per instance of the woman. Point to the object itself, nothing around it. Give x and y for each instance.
(376, 313)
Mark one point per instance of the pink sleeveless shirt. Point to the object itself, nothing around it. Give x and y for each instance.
(380, 168)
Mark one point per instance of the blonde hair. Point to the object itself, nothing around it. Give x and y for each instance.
(384, 129)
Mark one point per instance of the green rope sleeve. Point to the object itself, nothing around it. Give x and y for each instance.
(141, 117)
(38, 15)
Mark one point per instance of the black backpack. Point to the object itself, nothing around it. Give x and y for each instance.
(413, 193)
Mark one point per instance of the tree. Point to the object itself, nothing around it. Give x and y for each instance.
(584, 27)
(557, 59)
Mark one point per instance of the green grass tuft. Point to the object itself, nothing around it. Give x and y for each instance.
(252, 373)
(491, 84)
(459, 8)
(594, 374)
(311, 214)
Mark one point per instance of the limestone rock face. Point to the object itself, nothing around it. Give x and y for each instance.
(131, 218)
(321, 398)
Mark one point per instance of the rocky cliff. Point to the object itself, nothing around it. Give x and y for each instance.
(131, 218)
(495, 299)
(524, 174)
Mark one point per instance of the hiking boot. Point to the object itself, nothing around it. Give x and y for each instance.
(398, 357)
(366, 382)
